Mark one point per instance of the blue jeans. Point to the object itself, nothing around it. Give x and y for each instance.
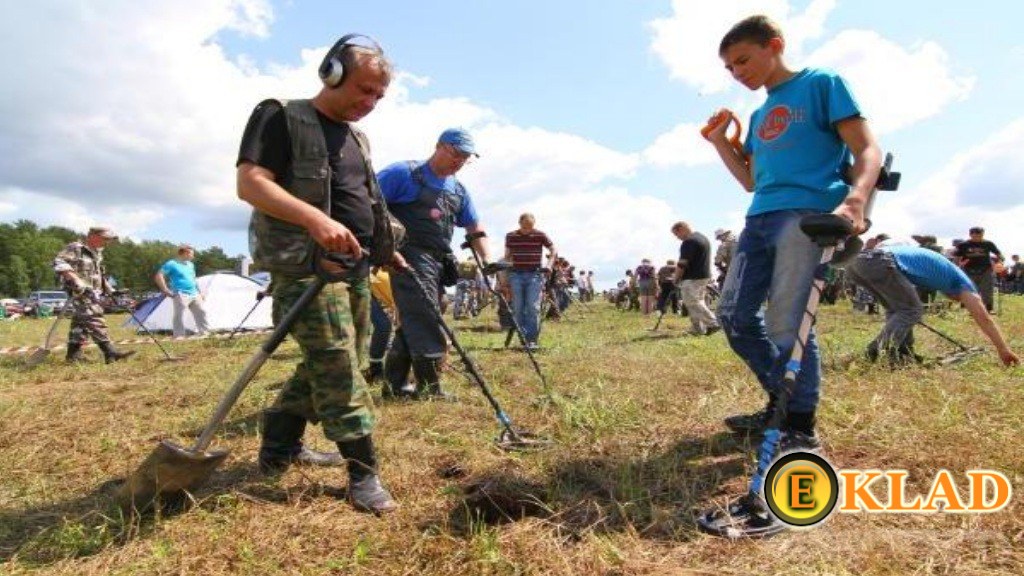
(775, 262)
(526, 287)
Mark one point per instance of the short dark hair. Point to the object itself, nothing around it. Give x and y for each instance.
(976, 230)
(758, 29)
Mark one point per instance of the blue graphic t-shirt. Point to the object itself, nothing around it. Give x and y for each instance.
(798, 156)
(929, 269)
(181, 276)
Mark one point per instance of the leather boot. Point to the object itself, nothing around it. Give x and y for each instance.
(282, 445)
(365, 491)
(396, 369)
(428, 380)
(112, 355)
(74, 353)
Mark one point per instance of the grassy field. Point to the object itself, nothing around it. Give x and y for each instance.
(639, 451)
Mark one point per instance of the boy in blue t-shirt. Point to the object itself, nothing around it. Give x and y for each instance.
(799, 141)
(892, 274)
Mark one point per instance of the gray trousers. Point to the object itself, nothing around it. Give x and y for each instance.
(985, 281)
(877, 272)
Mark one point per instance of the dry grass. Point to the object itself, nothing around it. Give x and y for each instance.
(640, 451)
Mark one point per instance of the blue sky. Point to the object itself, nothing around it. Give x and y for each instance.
(585, 112)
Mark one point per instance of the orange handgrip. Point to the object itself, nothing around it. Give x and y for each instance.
(716, 121)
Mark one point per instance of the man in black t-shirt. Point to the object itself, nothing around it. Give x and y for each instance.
(693, 274)
(975, 257)
(306, 171)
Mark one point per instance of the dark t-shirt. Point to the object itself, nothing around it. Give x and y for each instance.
(266, 143)
(978, 255)
(695, 251)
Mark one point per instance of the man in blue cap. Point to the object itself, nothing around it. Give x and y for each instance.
(430, 202)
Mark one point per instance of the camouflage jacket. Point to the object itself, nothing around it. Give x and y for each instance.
(286, 248)
(85, 262)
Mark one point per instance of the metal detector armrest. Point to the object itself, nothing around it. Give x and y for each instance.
(887, 179)
(826, 229)
(470, 236)
(352, 269)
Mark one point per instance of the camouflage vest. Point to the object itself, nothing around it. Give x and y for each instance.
(86, 263)
(429, 220)
(286, 248)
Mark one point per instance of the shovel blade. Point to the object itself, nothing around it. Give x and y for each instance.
(37, 357)
(169, 470)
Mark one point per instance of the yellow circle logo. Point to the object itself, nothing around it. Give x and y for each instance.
(801, 489)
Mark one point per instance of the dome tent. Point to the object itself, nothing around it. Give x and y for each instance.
(228, 298)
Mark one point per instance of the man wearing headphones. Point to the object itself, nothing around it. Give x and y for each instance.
(306, 171)
(430, 202)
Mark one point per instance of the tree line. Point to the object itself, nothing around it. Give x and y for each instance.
(27, 252)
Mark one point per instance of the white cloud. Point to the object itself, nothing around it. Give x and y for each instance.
(896, 87)
(981, 186)
(127, 221)
(683, 145)
(687, 41)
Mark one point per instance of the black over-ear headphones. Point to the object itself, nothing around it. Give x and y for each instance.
(332, 71)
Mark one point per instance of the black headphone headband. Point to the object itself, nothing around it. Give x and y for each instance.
(332, 69)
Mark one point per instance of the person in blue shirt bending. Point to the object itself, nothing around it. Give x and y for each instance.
(799, 142)
(893, 274)
(183, 290)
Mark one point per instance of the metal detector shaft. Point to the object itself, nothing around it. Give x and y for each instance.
(246, 317)
(944, 337)
(772, 433)
(150, 334)
(466, 360)
(503, 301)
(254, 365)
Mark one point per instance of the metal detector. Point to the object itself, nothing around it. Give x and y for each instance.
(259, 298)
(501, 298)
(167, 357)
(962, 353)
(749, 516)
(661, 314)
(171, 468)
(510, 439)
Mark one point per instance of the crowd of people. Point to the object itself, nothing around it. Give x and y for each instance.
(306, 172)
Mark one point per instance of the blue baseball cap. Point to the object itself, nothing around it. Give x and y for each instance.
(460, 139)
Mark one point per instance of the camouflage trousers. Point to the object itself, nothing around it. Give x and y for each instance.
(327, 386)
(86, 321)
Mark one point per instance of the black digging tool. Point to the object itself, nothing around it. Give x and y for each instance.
(172, 469)
(962, 352)
(167, 356)
(510, 439)
(259, 298)
(39, 355)
(491, 269)
(749, 516)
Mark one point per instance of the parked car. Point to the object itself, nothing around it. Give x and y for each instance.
(119, 301)
(52, 299)
(12, 306)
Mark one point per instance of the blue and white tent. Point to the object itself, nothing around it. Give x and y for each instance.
(228, 298)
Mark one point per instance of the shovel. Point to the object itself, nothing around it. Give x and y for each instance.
(171, 469)
(40, 354)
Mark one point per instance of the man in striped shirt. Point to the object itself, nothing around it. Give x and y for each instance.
(523, 248)
(892, 275)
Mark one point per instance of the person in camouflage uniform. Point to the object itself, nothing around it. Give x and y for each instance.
(80, 268)
(306, 171)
